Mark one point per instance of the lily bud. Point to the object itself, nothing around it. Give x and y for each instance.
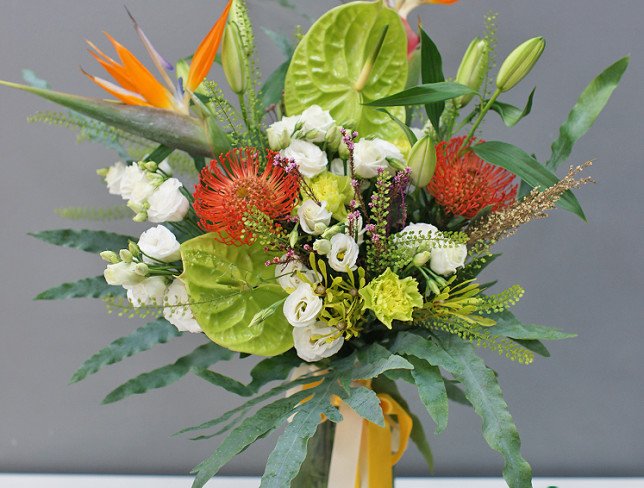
(473, 68)
(233, 59)
(519, 63)
(422, 161)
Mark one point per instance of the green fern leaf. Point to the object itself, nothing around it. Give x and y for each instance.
(94, 241)
(86, 288)
(142, 339)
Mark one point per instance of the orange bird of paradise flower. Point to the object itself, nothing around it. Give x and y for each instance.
(136, 85)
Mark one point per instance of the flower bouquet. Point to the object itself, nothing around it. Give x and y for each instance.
(342, 212)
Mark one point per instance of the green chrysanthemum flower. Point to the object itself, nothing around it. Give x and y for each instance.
(392, 298)
(335, 190)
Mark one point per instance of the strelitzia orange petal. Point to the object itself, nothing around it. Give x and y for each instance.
(141, 78)
(205, 54)
(115, 70)
(126, 96)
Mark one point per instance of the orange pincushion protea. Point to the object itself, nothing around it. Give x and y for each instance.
(465, 184)
(230, 188)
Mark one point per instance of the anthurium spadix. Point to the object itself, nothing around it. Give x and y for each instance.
(178, 131)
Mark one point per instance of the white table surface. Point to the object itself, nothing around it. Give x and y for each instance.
(105, 481)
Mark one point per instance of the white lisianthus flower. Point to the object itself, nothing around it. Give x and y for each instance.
(371, 155)
(287, 274)
(446, 260)
(302, 306)
(280, 133)
(412, 234)
(113, 178)
(158, 244)
(316, 123)
(314, 218)
(310, 159)
(177, 310)
(344, 253)
(150, 291)
(167, 203)
(316, 342)
(122, 274)
(132, 175)
(141, 191)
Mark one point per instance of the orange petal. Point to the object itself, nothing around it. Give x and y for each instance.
(126, 96)
(114, 69)
(141, 78)
(205, 54)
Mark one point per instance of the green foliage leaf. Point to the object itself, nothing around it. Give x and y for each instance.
(365, 403)
(527, 168)
(86, 288)
(431, 389)
(510, 114)
(228, 384)
(159, 154)
(266, 420)
(158, 332)
(329, 60)
(228, 286)
(424, 94)
(509, 326)
(431, 71)
(534, 345)
(459, 358)
(93, 241)
(202, 357)
(411, 137)
(588, 107)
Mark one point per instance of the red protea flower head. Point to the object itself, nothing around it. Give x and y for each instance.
(230, 188)
(465, 184)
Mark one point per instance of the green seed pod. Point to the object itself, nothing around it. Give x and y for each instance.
(422, 161)
(519, 63)
(233, 59)
(473, 68)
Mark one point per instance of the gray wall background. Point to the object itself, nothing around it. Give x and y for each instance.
(579, 412)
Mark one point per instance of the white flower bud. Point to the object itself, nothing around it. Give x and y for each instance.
(110, 256)
(122, 274)
(280, 133)
(316, 122)
(125, 255)
(158, 244)
(287, 274)
(314, 218)
(421, 258)
(113, 178)
(141, 269)
(322, 246)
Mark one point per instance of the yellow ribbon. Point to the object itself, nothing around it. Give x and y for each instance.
(364, 453)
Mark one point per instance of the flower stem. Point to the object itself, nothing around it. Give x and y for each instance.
(486, 108)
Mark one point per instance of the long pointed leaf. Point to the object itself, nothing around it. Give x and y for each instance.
(142, 339)
(527, 168)
(93, 241)
(431, 71)
(509, 326)
(588, 107)
(163, 126)
(424, 94)
(95, 287)
(510, 114)
(201, 357)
